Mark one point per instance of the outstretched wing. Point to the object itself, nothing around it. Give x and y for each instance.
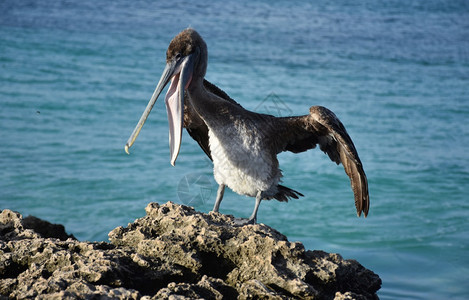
(194, 124)
(321, 126)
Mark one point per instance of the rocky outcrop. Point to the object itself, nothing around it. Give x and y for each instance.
(174, 252)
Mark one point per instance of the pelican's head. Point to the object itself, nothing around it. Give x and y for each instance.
(186, 58)
(189, 43)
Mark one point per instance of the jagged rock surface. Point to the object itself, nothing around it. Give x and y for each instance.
(174, 252)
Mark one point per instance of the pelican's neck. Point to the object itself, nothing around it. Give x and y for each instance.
(197, 85)
(198, 94)
(204, 102)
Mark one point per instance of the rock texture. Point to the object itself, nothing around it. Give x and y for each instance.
(173, 252)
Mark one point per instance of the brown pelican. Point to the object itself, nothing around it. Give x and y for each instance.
(243, 145)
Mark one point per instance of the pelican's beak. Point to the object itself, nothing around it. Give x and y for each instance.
(179, 71)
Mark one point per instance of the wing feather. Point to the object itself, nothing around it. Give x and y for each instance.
(322, 127)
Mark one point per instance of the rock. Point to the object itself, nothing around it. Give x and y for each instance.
(174, 252)
(46, 229)
(12, 225)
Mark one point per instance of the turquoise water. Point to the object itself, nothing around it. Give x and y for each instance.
(75, 77)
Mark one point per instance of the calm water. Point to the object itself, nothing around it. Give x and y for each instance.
(76, 75)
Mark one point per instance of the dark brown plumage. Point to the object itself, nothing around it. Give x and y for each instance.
(300, 134)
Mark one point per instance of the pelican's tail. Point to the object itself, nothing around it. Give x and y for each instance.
(284, 194)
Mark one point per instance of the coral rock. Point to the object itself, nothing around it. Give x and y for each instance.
(174, 252)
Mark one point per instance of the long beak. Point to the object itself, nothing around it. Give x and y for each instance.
(175, 106)
(174, 99)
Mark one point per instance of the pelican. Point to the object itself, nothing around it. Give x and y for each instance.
(244, 145)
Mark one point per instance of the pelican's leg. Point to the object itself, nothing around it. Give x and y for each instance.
(220, 192)
(253, 218)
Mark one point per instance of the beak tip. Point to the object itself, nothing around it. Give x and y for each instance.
(126, 148)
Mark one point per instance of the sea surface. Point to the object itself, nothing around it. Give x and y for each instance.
(75, 77)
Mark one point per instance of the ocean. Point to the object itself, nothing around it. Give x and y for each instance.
(75, 77)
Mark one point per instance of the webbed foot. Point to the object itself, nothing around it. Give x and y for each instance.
(244, 221)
